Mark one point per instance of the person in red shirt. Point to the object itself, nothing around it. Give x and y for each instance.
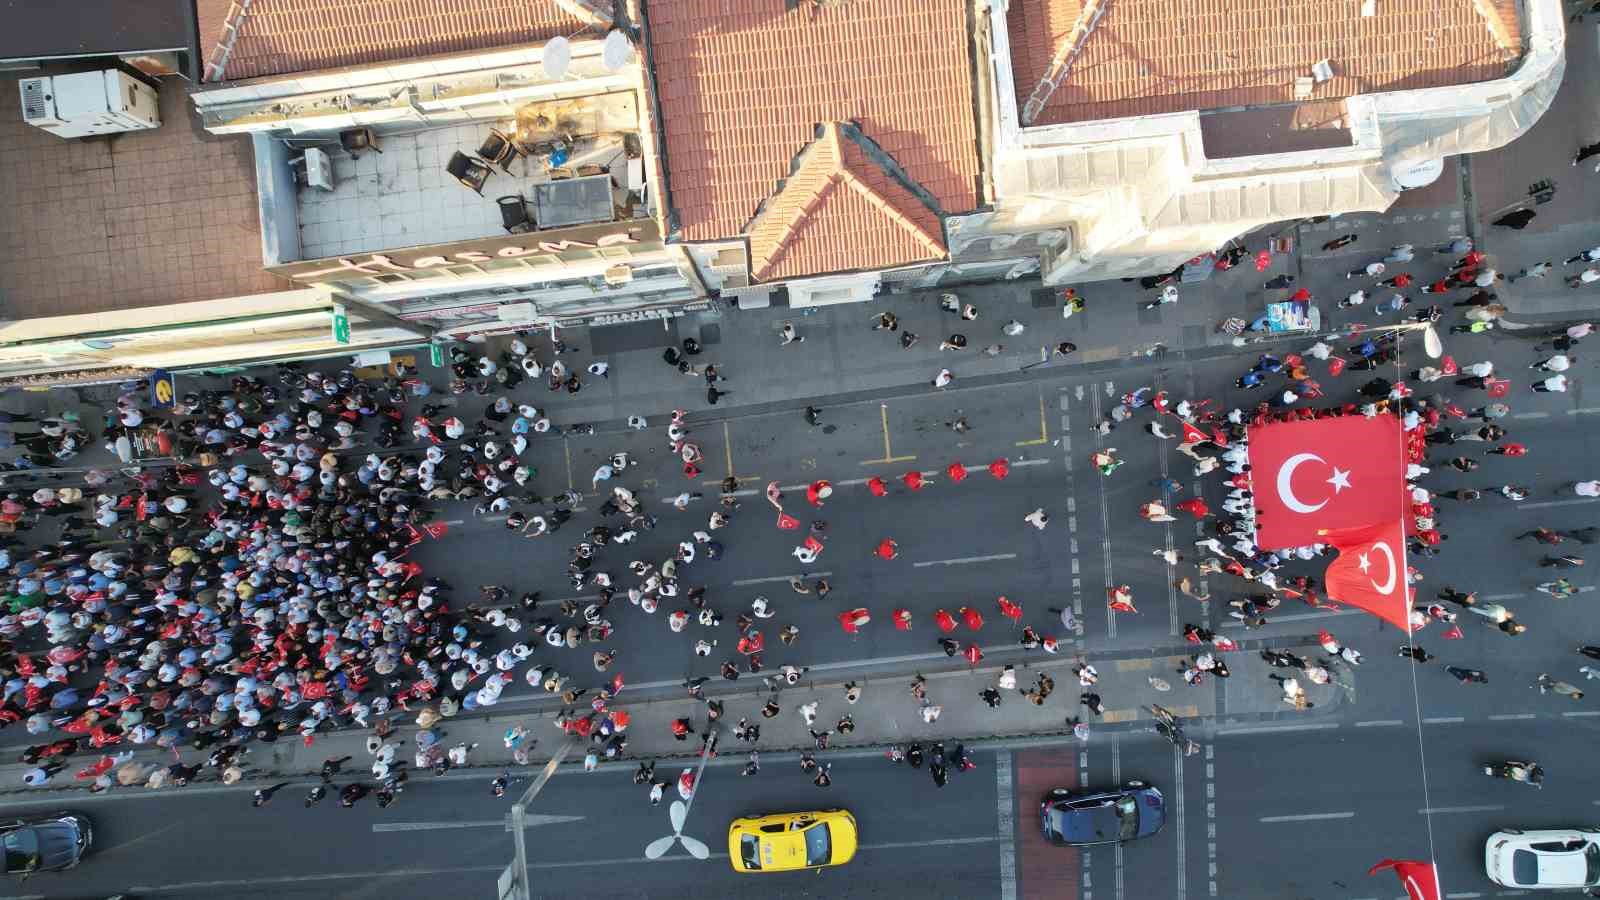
(1399, 281)
(681, 729)
(1438, 287)
(945, 621)
(888, 549)
(914, 480)
(956, 471)
(1510, 449)
(877, 486)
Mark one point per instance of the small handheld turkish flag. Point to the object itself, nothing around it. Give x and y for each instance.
(436, 530)
(1421, 879)
(1317, 475)
(1370, 572)
(787, 522)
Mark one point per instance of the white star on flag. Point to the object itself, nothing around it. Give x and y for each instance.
(1340, 479)
(1363, 563)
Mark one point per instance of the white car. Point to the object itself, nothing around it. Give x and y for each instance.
(1555, 859)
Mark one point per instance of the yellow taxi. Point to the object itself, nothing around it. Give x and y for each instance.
(783, 842)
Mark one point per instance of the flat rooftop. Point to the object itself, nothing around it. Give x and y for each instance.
(1146, 57)
(124, 221)
(405, 197)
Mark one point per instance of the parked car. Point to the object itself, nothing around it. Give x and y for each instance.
(1085, 818)
(52, 843)
(784, 842)
(1552, 859)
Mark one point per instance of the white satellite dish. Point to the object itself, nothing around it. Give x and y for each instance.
(557, 57)
(618, 50)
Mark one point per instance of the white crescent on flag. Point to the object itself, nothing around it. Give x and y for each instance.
(1388, 586)
(1286, 489)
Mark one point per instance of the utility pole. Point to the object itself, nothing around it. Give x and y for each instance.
(514, 880)
(679, 813)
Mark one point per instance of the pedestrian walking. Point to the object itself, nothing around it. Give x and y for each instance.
(1554, 384)
(1585, 152)
(1537, 270)
(263, 796)
(789, 335)
(1546, 684)
(1467, 676)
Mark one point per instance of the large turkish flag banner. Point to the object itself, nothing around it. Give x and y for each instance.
(1421, 879)
(1325, 475)
(1370, 571)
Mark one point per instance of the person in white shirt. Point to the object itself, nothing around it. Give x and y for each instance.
(1555, 383)
(1558, 363)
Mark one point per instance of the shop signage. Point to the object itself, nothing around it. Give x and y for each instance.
(638, 236)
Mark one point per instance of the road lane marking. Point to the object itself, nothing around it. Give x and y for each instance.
(1182, 892)
(1432, 810)
(1274, 729)
(1377, 723)
(1443, 720)
(1508, 717)
(1550, 503)
(476, 823)
(888, 454)
(775, 578)
(961, 561)
(1309, 817)
(1573, 715)
(1297, 617)
(1007, 822)
(1044, 429)
(1116, 778)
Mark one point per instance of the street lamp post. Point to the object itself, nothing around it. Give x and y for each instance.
(514, 881)
(679, 813)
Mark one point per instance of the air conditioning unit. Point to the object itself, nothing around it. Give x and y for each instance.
(86, 103)
(319, 169)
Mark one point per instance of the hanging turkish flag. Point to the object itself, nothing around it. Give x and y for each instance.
(1421, 879)
(1316, 475)
(1370, 571)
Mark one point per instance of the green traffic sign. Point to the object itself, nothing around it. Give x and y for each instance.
(436, 355)
(341, 325)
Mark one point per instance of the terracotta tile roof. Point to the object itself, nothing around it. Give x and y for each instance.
(256, 38)
(839, 204)
(1150, 56)
(743, 87)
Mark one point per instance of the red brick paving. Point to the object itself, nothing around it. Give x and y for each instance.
(1044, 871)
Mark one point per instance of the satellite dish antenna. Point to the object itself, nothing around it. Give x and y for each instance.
(557, 58)
(618, 50)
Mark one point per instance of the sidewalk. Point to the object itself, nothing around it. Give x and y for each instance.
(886, 714)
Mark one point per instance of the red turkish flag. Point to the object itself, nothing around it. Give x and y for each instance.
(787, 522)
(1315, 475)
(1370, 571)
(1421, 879)
(436, 530)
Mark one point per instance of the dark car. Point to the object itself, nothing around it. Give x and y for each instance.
(52, 843)
(1082, 819)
